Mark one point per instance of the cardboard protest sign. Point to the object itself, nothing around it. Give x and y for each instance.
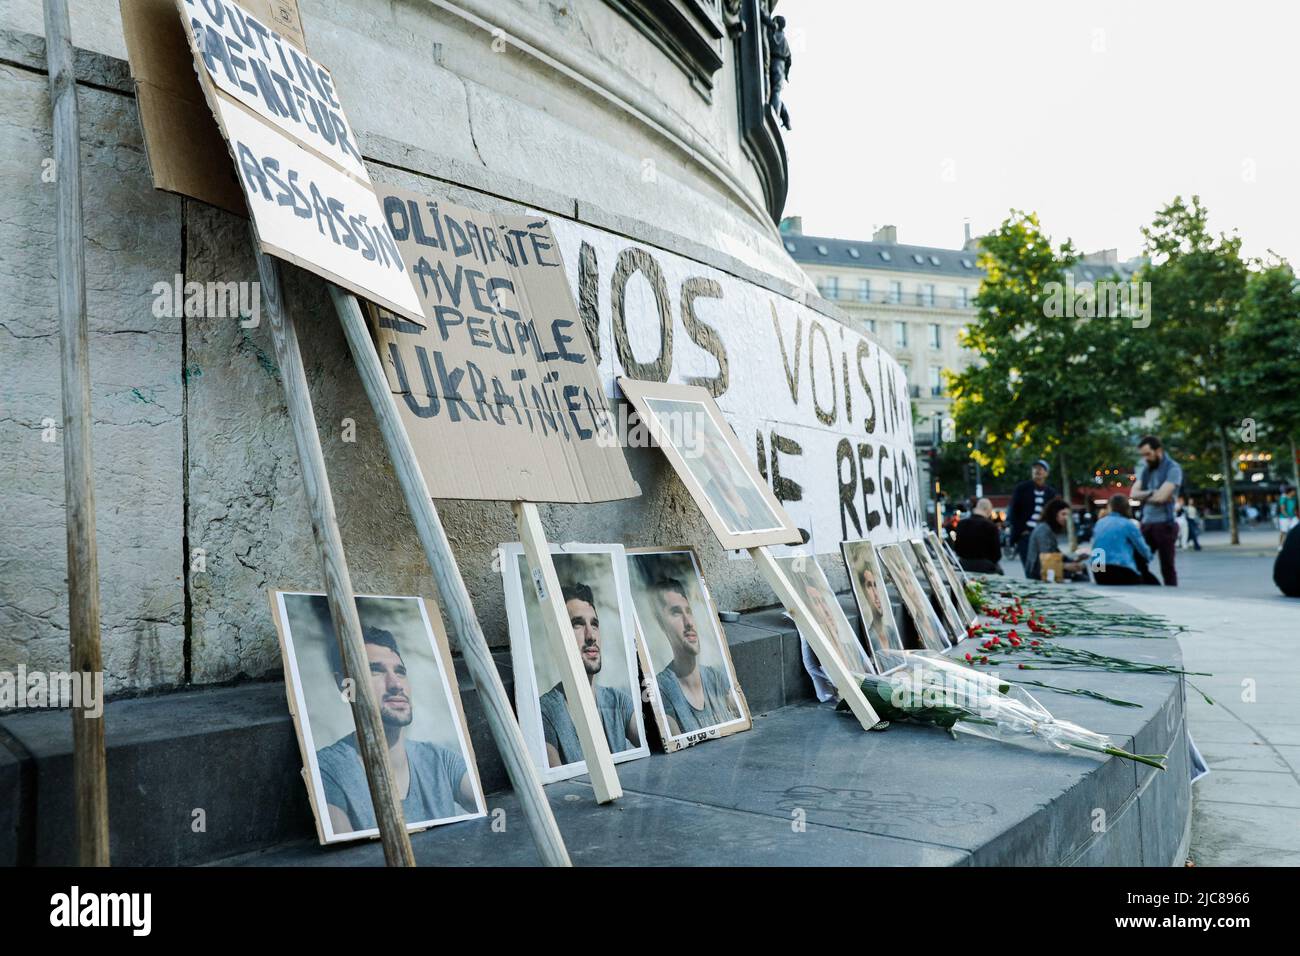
(296, 154)
(252, 64)
(309, 213)
(208, 69)
(499, 393)
(181, 138)
(709, 459)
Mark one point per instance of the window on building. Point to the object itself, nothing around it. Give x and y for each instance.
(936, 381)
(864, 290)
(895, 291)
(935, 333)
(900, 334)
(832, 287)
(871, 326)
(963, 297)
(925, 294)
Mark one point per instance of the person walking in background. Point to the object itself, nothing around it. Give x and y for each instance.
(1117, 543)
(978, 546)
(1043, 540)
(1286, 567)
(1180, 519)
(1027, 501)
(1194, 525)
(1286, 514)
(1157, 488)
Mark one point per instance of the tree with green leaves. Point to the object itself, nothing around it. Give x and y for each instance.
(1054, 378)
(1263, 358)
(1198, 281)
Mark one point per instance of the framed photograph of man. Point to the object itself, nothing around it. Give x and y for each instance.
(687, 424)
(956, 584)
(900, 564)
(810, 584)
(941, 596)
(411, 674)
(692, 684)
(868, 581)
(594, 585)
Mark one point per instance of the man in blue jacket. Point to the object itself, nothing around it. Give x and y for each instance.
(1120, 554)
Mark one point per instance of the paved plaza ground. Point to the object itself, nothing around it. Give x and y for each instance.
(1247, 634)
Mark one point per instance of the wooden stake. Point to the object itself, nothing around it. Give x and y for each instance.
(830, 660)
(577, 688)
(89, 762)
(371, 740)
(453, 596)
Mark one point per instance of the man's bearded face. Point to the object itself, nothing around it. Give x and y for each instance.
(391, 685)
(586, 631)
(675, 617)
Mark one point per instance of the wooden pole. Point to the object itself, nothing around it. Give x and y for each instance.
(89, 762)
(453, 596)
(371, 740)
(830, 659)
(577, 687)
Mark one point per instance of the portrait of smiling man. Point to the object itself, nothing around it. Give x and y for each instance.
(432, 781)
(616, 707)
(695, 695)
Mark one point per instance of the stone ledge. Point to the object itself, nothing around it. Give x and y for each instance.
(909, 796)
(173, 753)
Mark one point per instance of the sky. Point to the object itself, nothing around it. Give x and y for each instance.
(925, 114)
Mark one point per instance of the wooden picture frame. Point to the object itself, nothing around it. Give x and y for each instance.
(676, 718)
(687, 424)
(302, 622)
(602, 568)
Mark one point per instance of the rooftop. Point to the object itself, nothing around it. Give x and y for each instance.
(856, 254)
(931, 260)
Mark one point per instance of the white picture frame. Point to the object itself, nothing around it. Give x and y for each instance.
(320, 710)
(605, 567)
(867, 580)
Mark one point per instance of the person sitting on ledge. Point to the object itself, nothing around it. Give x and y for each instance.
(1117, 544)
(1043, 540)
(978, 546)
(1286, 567)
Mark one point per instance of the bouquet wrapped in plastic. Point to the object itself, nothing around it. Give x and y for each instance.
(932, 689)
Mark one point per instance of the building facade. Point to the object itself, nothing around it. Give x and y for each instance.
(915, 299)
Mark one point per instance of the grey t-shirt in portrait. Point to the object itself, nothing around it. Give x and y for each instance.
(717, 699)
(436, 774)
(613, 705)
(1152, 479)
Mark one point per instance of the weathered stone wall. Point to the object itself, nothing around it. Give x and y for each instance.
(192, 445)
